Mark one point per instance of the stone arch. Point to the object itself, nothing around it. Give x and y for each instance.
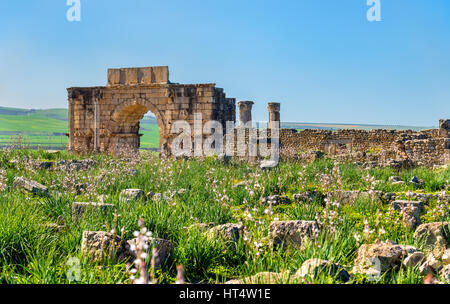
(127, 115)
(106, 118)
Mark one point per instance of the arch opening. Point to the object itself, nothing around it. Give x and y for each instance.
(138, 127)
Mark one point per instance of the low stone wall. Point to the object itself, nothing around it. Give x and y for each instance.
(426, 147)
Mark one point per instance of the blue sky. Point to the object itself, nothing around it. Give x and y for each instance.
(321, 59)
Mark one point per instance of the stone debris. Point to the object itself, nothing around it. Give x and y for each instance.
(308, 196)
(45, 165)
(80, 188)
(30, 186)
(435, 234)
(394, 179)
(228, 232)
(388, 197)
(276, 200)
(446, 257)
(157, 197)
(433, 262)
(379, 257)
(76, 164)
(399, 183)
(132, 195)
(416, 181)
(425, 269)
(162, 246)
(411, 212)
(414, 259)
(268, 164)
(313, 267)
(99, 246)
(79, 209)
(293, 233)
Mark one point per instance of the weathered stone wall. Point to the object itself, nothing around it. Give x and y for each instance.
(423, 147)
(106, 119)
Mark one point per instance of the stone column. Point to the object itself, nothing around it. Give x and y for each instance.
(274, 114)
(245, 112)
(71, 121)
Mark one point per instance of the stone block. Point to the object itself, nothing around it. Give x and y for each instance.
(113, 77)
(160, 74)
(101, 246)
(79, 209)
(30, 186)
(411, 212)
(228, 232)
(293, 232)
(132, 194)
(162, 246)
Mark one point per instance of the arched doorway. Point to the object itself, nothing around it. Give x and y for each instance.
(128, 132)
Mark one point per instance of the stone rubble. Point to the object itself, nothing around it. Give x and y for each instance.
(162, 246)
(80, 208)
(268, 165)
(132, 195)
(99, 246)
(30, 186)
(313, 267)
(228, 232)
(293, 233)
(276, 200)
(411, 211)
(379, 257)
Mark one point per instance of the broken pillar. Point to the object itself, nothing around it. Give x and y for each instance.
(245, 112)
(274, 114)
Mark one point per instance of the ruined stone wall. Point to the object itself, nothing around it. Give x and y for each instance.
(425, 147)
(319, 139)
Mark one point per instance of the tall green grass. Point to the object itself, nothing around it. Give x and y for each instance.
(31, 252)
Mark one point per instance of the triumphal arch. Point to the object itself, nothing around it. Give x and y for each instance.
(106, 119)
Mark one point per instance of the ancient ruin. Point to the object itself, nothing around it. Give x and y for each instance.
(106, 119)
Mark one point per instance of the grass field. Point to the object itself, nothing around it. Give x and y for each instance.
(32, 252)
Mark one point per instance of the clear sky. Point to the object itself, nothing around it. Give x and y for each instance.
(322, 59)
